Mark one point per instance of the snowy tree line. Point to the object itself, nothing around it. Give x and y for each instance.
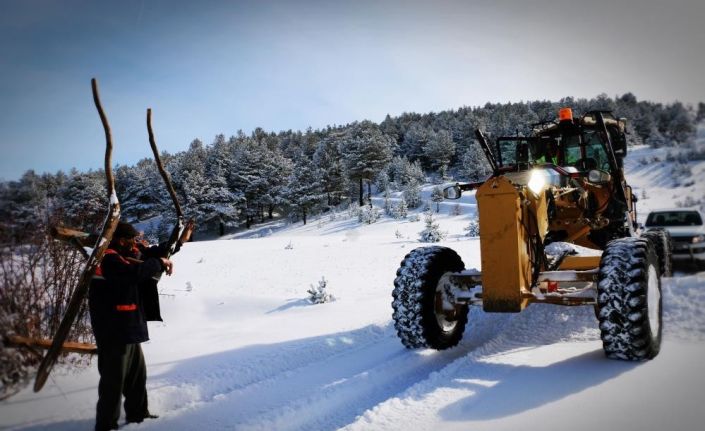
(246, 179)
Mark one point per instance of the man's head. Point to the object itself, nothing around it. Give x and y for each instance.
(125, 236)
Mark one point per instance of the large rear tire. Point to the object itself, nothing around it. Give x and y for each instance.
(418, 316)
(629, 300)
(663, 244)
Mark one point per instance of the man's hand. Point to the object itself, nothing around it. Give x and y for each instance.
(188, 230)
(141, 240)
(167, 265)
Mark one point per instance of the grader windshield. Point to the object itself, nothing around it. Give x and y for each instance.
(521, 153)
(583, 151)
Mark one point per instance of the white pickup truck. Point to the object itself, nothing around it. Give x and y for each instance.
(687, 231)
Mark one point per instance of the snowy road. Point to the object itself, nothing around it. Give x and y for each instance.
(507, 366)
(544, 366)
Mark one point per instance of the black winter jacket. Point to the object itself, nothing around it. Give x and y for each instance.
(123, 296)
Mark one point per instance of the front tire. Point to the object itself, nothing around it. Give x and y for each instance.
(629, 300)
(418, 316)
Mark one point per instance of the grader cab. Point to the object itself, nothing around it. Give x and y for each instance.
(557, 225)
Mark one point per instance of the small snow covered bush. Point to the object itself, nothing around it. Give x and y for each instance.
(354, 211)
(157, 232)
(696, 153)
(398, 234)
(646, 161)
(689, 201)
(437, 197)
(412, 194)
(151, 233)
(473, 229)
(432, 232)
(319, 294)
(678, 156)
(368, 215)
(289, 246)
(414, 217)
(455, 210)
(680, 172)
(400, 210)
(388, 208)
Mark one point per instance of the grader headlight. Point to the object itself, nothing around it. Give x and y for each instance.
(537, 181)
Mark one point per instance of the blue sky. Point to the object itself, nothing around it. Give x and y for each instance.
(210, 67)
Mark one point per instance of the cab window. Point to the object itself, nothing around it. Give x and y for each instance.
(571, 150)
(595, 150)
(507, 152)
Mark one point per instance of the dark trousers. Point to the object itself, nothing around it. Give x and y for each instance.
(122, 372)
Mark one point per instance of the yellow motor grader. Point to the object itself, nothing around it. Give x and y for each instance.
(557, 225)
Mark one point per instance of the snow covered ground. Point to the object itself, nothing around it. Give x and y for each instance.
(241, 348)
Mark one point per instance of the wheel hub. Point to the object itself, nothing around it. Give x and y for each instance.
(653, 300)
(445, 310)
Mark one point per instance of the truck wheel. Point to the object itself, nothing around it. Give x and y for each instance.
(418, 316)
(663, 244)
(629, 300)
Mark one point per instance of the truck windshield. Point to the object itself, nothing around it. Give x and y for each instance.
(674, 218)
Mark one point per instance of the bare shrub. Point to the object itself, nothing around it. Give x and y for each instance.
(38, 278)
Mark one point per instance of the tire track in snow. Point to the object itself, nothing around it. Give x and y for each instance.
(407, 411)
(203, 379)
(338, 405)
(334, 390)
(538, 327)
(324, 394)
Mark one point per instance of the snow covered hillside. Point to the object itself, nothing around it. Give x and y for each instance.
(242, 348)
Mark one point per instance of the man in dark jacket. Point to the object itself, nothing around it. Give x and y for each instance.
(122, 298)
